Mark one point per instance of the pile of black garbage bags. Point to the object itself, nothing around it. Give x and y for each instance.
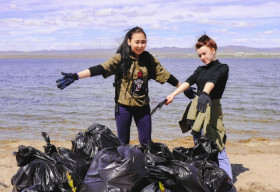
(98, 162)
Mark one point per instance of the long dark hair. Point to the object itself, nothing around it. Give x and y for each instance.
(125, 50)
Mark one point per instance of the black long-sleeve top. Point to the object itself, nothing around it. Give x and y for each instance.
(214, 72)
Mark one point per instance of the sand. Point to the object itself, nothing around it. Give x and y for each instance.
(255, 162)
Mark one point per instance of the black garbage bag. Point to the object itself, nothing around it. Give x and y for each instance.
(158, 153)
(47, 171)
(39, 171)
(204, 156)
(49, 148)
(177, 176)
(68, 161)
(96, 138)
(154, 187)
(214, 177)
(205, 149)
(25, 155)
(34, 188)
(116, 169)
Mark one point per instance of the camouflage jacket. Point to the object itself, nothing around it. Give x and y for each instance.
(133, 87)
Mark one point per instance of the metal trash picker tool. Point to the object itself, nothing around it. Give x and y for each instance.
(158, 106)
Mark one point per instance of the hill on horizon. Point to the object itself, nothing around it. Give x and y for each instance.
(223, 51)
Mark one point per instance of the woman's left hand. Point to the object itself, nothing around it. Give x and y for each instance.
(202, 102)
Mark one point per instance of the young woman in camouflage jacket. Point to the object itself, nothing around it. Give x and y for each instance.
(132, 67)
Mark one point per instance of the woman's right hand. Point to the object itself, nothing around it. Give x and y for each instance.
(181, 88)
(169, 99)
(66, 80)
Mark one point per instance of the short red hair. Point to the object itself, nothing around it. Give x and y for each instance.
(204, 40)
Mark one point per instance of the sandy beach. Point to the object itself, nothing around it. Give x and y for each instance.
(255, 162)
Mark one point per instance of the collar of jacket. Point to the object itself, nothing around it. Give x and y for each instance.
(141, 56)
(133, 56)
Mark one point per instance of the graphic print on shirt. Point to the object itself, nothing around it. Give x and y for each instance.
(138, 85)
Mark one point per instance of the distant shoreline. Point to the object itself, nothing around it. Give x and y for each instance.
(165, 52)
(96, 56)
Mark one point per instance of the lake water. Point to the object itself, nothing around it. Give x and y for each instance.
(31, 103)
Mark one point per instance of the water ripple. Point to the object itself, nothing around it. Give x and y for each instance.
(31, 103)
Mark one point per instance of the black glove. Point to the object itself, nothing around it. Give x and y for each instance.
(68, 79)
(203, 99)
(190, 93)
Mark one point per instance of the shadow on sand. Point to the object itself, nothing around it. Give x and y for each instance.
(236, 170)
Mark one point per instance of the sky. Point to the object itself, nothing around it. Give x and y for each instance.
(32, 25)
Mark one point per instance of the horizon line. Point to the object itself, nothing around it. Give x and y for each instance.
(243, 46)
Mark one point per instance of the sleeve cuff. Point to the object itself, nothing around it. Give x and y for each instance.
(96, 70)
(172, 80)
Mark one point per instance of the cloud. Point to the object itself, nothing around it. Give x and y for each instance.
(271, 31)
(105, 12)
(244, 24)
(209, 21)
(178, 17)
(90, 21)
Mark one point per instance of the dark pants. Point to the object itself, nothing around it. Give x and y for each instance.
(142, 120)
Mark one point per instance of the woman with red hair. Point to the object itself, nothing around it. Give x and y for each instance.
(205, 113)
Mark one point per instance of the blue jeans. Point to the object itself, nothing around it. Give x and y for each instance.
(224, 162)
(142, 120)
